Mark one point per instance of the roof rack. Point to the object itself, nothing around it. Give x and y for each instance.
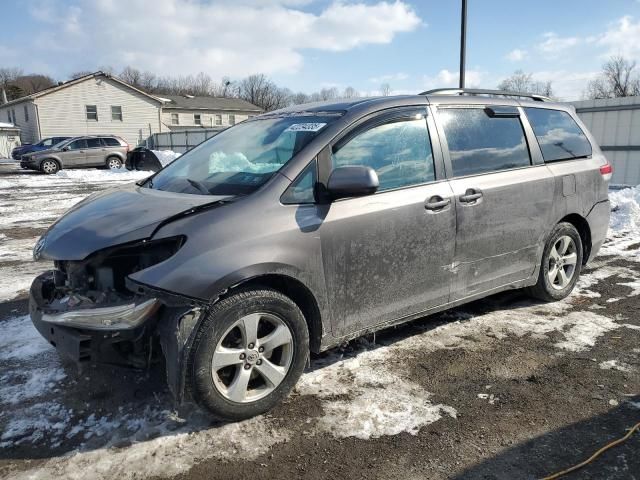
(480, 91)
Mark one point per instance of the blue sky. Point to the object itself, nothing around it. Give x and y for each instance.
(306, 44)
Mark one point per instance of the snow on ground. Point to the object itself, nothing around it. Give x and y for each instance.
(166, 156)
(624, 227)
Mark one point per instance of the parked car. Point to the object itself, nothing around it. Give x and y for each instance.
(79, 152)
(300, 229)
(44, 144)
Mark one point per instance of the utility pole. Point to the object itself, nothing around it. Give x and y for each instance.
(463, 41)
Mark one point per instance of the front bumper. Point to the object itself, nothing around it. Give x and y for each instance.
(117, 334)
(29, 162)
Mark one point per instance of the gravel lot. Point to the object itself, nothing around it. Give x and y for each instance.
(502, 388)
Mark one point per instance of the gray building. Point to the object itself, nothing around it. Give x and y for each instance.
(615, 123)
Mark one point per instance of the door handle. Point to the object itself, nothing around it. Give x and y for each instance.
(437, 203)
(470, 196)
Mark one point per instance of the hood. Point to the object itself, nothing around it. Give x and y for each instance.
(113, 217)
(37, 151)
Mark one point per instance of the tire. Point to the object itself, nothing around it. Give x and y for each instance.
(114, 163)
(563, 248)
(221, 341)
(49, 167)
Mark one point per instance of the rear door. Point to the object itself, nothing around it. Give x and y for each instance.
(76, 154)
(503, 195)
(96, 152)
(387, 256)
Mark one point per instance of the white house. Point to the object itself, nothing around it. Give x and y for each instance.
(99, 103)
(181, 112)
(91, 105)
(9, 139)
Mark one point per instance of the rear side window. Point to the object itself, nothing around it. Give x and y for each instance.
(111, 142)
(558, 134)
(479, 143)
(93, 143)
(399, 151)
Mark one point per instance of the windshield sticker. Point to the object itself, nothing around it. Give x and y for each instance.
(305, 127)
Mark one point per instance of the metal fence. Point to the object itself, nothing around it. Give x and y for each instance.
(615, 124)
(181, 140)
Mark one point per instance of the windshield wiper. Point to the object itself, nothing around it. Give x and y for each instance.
(199, 186)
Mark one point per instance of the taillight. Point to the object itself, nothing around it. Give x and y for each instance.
(606, 171)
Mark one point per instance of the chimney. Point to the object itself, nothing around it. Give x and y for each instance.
(4, 97)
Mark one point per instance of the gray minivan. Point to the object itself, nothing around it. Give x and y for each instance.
(303, 228)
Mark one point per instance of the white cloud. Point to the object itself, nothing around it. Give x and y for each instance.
(235, 38)
(516, 55)
(553, 44)
(567, 85)
(446, 78)
(621, 38)
(391, 77)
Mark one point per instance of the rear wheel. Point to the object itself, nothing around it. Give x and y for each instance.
(561, 264)
(114, 163)
(248, 354)
(49, 167)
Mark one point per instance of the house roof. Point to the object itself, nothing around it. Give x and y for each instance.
(208, 103)
(75, 81)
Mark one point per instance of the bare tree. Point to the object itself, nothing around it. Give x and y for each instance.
(350, 92)
(9, 75)
(261, 91)
(131, 75)
(299, 98)
(619, 78)
(385, 89)
(79, 74)
(524, 82)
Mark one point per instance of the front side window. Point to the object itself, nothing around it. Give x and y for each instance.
(241, 159)
(92, 112)
(116, 113)
(302, 190)
(175, 119)
(398, 150)
(197, 119)
(559, 136)
(481, 143)
(78, 144)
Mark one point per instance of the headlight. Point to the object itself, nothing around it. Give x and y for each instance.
(105, 318)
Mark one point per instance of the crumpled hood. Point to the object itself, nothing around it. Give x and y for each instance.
(115, 216)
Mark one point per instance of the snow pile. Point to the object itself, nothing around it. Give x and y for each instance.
(624, 225)
(165, 156)
(615, 365)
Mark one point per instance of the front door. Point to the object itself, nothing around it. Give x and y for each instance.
(76, 154)
(503, 199)
(387, 256)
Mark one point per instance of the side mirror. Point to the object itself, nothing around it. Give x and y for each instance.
(353, 181)
(65, 149)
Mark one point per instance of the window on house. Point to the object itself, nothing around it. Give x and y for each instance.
(232, 119)
(9, 116)
(480, 143)
(197, 119)
(175, 119)
(218, 119)
(13, 114)
(116, 113)
(26, 114)
(92, 112)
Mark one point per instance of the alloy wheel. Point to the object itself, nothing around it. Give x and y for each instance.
(252, 357)
(562, 262)
(49, 166)
(114, 163)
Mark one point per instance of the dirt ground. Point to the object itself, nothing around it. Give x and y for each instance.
(501, 388)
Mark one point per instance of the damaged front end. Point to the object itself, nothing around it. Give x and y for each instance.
(93, 313)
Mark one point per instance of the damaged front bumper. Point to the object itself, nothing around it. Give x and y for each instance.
(131, 333)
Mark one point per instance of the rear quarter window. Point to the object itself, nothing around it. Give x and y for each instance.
(111, 142)
(558, 134)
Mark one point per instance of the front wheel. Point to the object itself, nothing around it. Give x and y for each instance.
(248, 354)
(561, 264)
